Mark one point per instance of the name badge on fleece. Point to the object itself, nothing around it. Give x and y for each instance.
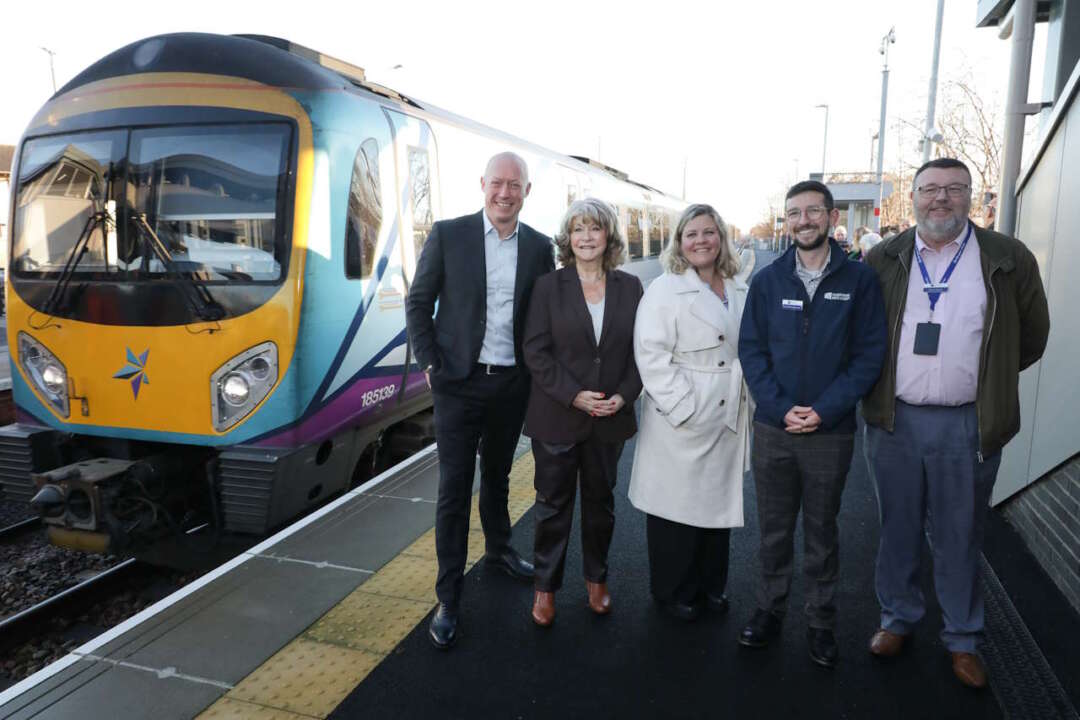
(791, 304)
(843, 297)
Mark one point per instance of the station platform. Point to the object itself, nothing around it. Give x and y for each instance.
(328, 618)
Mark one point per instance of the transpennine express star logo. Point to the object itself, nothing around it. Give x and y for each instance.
(136, 370)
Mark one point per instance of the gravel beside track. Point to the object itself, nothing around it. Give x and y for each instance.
(32, 570)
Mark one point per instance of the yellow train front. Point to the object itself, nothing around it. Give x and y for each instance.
(191, 340)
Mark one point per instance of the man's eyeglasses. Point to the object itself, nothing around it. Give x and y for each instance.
(955, 190)
(814, 213)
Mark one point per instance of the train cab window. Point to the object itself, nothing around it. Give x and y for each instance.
(213, 196)
(365, 212)
(634, 234)
(64, 189)
(420, 192)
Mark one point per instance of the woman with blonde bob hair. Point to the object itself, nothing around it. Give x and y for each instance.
(578, 346)
(599, 212)
(693, 445)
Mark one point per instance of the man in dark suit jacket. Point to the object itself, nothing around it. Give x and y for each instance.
(481, 269)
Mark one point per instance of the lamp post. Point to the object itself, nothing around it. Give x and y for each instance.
(886, 41)
(929, 134)
(825, 139)
(52, 70)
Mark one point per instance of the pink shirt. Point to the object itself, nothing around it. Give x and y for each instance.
(951, 377)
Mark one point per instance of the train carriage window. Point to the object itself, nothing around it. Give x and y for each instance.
(420, 190)
(656, 231)
(365, 212)
(634, 235)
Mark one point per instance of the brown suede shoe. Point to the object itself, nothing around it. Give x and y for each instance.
(969, 669)
(599, 599)
(886, 644)
(543, 610)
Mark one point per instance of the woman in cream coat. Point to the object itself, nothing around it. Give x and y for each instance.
(693, 441)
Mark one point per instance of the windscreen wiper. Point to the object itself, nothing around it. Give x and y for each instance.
(202, 302)
(98, 217)
(81, 246)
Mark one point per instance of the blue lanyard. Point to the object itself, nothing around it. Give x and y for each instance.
(933, 290)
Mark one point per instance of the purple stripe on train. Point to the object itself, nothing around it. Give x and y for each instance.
(365, 400)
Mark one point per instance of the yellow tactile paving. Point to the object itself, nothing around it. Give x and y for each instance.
(365, 621)
(310, 676)
(228, 709)
(306, 677)
(405, 576)
(424, 546)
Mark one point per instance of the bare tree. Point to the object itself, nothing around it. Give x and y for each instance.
(971, 127)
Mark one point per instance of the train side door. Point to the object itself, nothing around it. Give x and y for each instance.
(419, 203)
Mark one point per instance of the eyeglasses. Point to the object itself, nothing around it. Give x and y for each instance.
(814, 212)
(955, 190)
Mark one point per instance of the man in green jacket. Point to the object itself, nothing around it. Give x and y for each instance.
(966, 313)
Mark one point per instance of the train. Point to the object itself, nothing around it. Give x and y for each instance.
(212, 240)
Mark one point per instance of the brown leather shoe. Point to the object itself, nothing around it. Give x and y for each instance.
(599, 598)
(886, 644)
(969, 669)
(543, 610)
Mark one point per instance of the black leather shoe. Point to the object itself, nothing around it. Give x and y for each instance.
(761, 629)
(717, 604)
(822, 645)
(680, 610)
(443, 628)
(512, 564)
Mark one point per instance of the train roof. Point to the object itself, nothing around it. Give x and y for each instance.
(249, 57)
(277, 62)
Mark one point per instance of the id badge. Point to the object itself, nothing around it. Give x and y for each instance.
(927, 335)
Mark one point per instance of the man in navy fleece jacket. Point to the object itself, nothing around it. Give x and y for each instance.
(812, 343)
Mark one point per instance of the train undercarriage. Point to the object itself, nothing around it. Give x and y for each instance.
(129, 497)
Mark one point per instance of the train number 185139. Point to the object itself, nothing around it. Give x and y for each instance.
(378, 395)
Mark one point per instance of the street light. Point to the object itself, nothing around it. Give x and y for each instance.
(825, 140)
(52, 70)
(930, 135)
(886, 41)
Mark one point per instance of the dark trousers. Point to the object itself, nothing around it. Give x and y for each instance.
(558, 469)
(793, 472)
(930, 483)
(686, 562)
(486, 411)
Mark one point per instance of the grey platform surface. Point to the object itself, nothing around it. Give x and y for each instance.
(176, 658)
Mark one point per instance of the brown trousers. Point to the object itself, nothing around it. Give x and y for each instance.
(558, 469)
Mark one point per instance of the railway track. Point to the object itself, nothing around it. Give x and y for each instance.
(30, 623)
(17, 529)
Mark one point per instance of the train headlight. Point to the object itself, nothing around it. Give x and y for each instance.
(242, 383)
(235, 390)
(54, 377)
(45, 372)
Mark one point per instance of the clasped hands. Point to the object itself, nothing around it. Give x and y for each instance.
(801, 419)
(595, 404)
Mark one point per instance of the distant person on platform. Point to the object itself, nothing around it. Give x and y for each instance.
(579, 347)
(812, 343)
(692, 449)
(970, 313)
(480, 269)
(840, 235)
(868, 242)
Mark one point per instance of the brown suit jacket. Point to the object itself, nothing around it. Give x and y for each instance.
(564, 358)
